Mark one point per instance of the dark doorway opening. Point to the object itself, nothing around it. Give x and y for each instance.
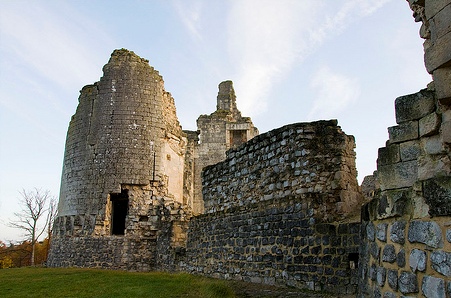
(353, 260)
(119, 202)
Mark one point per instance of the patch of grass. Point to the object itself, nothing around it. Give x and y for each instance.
(61, 282)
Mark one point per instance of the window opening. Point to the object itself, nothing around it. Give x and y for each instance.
(238, 137)
(119, 202)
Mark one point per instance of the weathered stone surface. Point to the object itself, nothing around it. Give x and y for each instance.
(414, 106)
(437, 194)
(398, 232)
(440, 24)
(370, 231)
(388, 155)
(392, 279)
(381, 276)
(372, 272)
(433, 145)
(375, 250)
(419, 206)
(448, 235)
(401, 258)
(381, 232)
(443, 89)
(389, 295)
(410, 150)
(434, 7)
(407, 282)
(426, 232)
(429, 125)
(441, 262)
(433, 287)
(446, 131)
(439, 54)
(392, 203)
(417, 260)
(389, 253)
(403, 132)
(399, 175)
(433, 166)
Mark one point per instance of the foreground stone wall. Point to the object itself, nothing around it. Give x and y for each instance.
(275, 209)
(279, 241)
(406, 248)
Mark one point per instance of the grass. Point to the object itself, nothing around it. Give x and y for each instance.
(59, 282)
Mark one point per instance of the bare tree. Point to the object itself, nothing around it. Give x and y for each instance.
(51, 215)
(29, 219)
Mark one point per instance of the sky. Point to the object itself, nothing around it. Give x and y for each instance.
(290, 61)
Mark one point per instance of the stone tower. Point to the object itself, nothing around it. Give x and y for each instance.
(123, 166)
(218, 132)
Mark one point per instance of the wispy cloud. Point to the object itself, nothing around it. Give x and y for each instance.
(54, 43)
(51, 52)
(264, 39)
(267, 38)
(190, 13)
(334, 93)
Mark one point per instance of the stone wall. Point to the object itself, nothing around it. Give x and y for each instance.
(293, 160)
(406, 248)
(279, 241)
(278, 210)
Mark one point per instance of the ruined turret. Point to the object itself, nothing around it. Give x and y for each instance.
(125, 152)
(223, 129)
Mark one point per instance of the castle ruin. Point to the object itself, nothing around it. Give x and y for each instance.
(283, 207)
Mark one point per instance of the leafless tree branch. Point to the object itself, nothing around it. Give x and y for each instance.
(33, 210)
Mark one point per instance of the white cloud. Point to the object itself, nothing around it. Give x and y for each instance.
(334, 93)
(267, 38)
(190, 13)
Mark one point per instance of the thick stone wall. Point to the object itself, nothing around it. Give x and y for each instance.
(274, 209)
(406, 245)
(279, 241)
(293, 160)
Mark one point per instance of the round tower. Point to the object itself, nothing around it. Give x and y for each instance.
(124, 156)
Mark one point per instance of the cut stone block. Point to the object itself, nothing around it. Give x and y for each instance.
(414, 106)
(400, 175)
(438, 54)
(403, 132)
(429, 125)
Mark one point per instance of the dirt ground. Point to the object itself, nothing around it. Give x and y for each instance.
(250, 290)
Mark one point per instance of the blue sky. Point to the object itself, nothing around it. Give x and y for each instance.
(290, 61)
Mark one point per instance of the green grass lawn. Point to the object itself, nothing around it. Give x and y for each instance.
(58, 282)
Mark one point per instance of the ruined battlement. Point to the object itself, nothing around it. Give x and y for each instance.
(295, 160)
